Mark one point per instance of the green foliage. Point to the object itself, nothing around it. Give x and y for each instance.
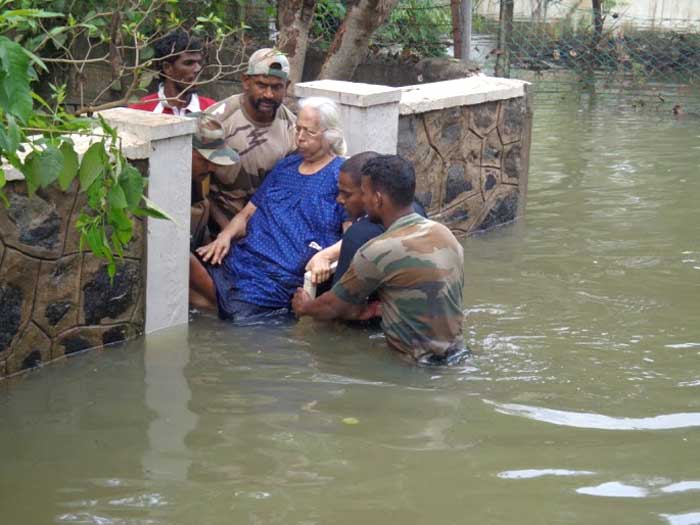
(419, 27)
(35, 139)
(328, 16)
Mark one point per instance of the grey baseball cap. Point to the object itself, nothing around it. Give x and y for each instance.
(268, 61)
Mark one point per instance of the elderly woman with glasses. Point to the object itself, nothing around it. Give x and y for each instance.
(254, 266)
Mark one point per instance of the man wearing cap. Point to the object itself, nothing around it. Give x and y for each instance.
(259, 127)
(209, 153)
(179, 58)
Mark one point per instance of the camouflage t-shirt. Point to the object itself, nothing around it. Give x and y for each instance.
(417, 267)
(260, 146)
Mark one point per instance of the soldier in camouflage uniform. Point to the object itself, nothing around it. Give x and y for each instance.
(416, 267)
(259, 127)
(209, 153)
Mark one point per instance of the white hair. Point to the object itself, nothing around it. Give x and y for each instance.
(329, 120)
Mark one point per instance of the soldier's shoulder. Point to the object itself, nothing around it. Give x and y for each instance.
(226, 108)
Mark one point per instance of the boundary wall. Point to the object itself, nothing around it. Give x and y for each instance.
(56, 300)
(469, 140)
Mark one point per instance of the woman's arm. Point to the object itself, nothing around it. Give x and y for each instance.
(215, 251)
(320, 264)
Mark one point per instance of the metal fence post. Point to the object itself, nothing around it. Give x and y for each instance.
(456, 28)
(505, 30)
(466, 25)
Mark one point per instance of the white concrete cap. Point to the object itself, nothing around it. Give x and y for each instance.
(147, 125)
(460, 92)
(349, 93)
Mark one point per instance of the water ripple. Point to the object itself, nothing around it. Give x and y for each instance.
(614, 489)
(690, 518)
(681, 486)
(598, 421)
(537, 473)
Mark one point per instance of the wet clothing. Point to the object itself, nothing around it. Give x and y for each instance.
(156, 103)
(260, 146)
(417, 268)
(232, 309)
(357, 235)
(293, 210)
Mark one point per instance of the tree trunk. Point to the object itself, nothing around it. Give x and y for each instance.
(351, 42)
(295, 17)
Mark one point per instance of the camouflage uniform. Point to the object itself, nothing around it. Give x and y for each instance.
(417, 267)
(259, 146)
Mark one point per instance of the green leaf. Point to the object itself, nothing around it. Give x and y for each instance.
(152, 210)
(41, 168)
(33, 13)
(121, 222)
(35, 60)
(70, 166)
(109, 130)
(116, 197)
(10, 136)
(15, 93)
(93, 165)
(133, 185)
(94, 241)
(117, 243)
(96, 196)
(111, 270)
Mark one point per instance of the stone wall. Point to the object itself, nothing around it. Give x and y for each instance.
(55, 300)
(468, 139)
(471, 161)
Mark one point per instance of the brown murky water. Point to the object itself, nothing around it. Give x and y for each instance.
(581, 403)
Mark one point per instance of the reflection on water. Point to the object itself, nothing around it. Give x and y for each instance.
(614, 489)
(583, 323)
(691, 518)
(536, 473)
(588, 420)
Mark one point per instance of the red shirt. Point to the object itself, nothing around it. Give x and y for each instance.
(155, 104)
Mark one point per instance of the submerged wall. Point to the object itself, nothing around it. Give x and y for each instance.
(469, 140)
(56, 300)
(470, 143)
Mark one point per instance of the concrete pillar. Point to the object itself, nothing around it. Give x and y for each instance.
(369, 112)
(169, 153)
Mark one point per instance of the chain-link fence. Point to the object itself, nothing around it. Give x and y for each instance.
(565, 48)
(620, 54)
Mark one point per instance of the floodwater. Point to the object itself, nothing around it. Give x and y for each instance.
(581, 403)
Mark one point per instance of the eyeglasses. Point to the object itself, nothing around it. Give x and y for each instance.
(308, 132)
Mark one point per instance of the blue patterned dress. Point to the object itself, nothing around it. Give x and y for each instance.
(293, 211)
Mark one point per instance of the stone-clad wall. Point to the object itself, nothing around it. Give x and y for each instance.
(55, 300)
(471, 161)
(468, 139)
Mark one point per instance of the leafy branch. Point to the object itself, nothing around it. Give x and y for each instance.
(36, 138)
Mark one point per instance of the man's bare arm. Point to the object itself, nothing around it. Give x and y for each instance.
(329, 306)
(218, 215)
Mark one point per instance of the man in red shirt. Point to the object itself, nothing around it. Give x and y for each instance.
(179, 57)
